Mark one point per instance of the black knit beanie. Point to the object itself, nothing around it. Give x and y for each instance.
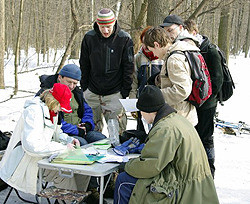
(150, 99)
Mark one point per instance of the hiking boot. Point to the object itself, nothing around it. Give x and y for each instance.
(94, 197)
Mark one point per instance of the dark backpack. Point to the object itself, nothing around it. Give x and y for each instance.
(228, 85)
(201, 88)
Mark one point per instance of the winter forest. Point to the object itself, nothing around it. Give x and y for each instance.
(49, 26)
(41, 36)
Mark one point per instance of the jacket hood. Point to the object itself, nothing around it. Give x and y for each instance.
(116, 29)
(32, 101)
(36, 101)
(205, 43)
(182, 46)
(48, 80)
(185, 35)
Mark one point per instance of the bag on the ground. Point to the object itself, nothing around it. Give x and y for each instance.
(228, 85)
(201, 87)
(4, 140)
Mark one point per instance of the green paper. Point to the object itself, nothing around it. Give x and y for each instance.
(75, 156)
(102, 144)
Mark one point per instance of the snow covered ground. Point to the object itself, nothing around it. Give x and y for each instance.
(232, 176)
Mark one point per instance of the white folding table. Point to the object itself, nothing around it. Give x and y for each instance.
(68, 170)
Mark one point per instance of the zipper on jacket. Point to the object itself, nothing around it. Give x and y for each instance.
(176, 196)
(108, 66)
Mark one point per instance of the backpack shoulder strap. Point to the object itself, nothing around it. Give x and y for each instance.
(176, 52)
(171, 53)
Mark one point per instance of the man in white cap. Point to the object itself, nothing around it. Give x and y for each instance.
(106, 62)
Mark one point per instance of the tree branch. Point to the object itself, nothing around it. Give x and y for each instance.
(214, 8)
(198, 9)
(142, 14)
(176, 6)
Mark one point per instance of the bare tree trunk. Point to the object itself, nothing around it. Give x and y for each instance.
(37, 30)
(17, 56)
(75, 49)
(13, 25)
(238, 24)
(138, 21)
(118, 6)
(47, 18)
(44, 24)
(92, 10)
(154, 17)
(57, 28)
(2, 42)
(225, 30)
(31, 14)
(73, 35)
(247, 42)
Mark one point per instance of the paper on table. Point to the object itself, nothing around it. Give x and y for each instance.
(102, 144)
(110, 156)
(129, 104)
(72, 157)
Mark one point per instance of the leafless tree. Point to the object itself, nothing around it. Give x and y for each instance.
(17, 53)
(2, 43)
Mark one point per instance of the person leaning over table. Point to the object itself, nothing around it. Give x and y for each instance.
(36, 136)
(173, 166)
(146, 67)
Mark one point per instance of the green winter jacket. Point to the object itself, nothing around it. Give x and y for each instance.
(173, 166)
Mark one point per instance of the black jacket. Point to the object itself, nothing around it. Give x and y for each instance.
(213, 61)
(107, 63)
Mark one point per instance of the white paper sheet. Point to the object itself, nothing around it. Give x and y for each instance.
(129, 104)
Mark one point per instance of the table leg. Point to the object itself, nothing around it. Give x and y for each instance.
(101, 190)
(40, 184)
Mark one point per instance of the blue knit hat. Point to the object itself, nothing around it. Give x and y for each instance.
(71, 71)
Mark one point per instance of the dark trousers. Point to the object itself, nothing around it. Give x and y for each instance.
(124, 186)
(205, 129)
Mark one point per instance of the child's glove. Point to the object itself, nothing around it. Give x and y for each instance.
(125, 147)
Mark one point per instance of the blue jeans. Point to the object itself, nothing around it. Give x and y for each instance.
(91, 136)
(124, 186)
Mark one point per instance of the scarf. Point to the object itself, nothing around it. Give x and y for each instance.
(149, 54)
